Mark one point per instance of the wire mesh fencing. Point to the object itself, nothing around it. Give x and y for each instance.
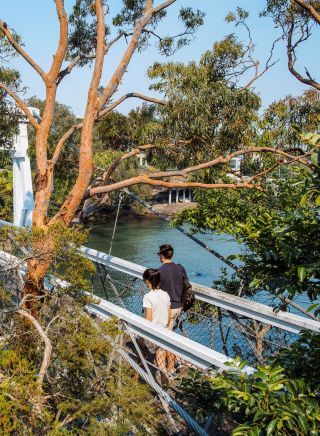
(216, 328)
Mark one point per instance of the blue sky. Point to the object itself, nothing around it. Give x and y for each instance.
(36, 22)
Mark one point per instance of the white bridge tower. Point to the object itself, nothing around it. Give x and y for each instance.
(23, 202)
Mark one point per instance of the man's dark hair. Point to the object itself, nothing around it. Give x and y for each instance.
(166, 251)
(153, 276)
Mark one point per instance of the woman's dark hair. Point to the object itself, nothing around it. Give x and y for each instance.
(153, 276)
(166, 250)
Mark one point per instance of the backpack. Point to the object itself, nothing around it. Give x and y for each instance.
(188, 298)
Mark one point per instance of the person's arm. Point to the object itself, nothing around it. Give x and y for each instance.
(148, 307)
(148, 313)
(169, 314)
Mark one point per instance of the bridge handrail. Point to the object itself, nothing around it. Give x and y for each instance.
(242, 306)
(189, 350)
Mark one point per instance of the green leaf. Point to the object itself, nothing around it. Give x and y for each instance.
(302, 272)
(258, 414)
(271, 427)
(315, 139)
(312, 307)
(305, 198)
(315, 158)
(230, 17)
(303, 423)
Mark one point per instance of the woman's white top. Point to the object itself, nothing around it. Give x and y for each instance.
(159, 302)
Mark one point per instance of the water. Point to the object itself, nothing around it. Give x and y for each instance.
(138, 240)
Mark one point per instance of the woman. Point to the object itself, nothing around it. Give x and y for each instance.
(157, 308)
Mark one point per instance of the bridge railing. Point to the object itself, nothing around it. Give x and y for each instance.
(260, 312)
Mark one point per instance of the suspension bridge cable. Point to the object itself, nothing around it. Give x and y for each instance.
(182, 230)
(115, 222)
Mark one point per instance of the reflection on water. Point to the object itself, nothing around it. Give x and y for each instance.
(138, 240)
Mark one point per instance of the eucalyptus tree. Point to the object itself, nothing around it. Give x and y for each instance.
(204, 106)
(284, 119)
(296, 20)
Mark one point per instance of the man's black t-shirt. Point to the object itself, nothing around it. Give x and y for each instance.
(172, 276)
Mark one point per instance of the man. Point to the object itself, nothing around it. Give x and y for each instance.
(172, 279)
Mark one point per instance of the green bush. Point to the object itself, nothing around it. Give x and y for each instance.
(261, 404)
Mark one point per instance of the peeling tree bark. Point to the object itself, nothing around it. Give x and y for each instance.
(47, 345)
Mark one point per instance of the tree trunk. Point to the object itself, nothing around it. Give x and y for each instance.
(37, 268)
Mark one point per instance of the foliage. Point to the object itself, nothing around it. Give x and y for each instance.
(6, 205)
(283, 121)
(127, 168)
(302, 359)
(203, 106)
(122, 132)
(85, 386)
(296, 25)
(266, 402)
(19, 407)
(278, 228)
(82, 34)
(263, 403)
(7, 51)
(9, 115)
(82, 28)
(196, 392)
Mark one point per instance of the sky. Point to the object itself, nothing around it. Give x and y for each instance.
(36, 22)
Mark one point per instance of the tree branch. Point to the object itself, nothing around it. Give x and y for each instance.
(129, 95)
(75, 196)
(77, 59)
(62, 141)
(256, 63)
(290, 53)
(225, 160)
(103, 112)
(162, 6)
(20, 50)
(146, 180)
(151, 178)
(276, 165)
(21, 105)
(113, 84)
(310, 9)
(114, 165)
(63, 42)
(45, 340)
